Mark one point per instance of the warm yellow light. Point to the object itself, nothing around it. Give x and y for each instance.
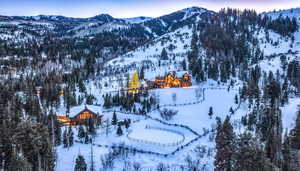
(61, 92)
(134, 84)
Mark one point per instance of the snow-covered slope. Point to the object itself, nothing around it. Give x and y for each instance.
(294, 12)
(278, 44)
(190, 12)
(137, 19)
(176, 20)
(177, 45)
(91, 28)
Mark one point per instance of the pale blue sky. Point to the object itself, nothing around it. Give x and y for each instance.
(130, 8)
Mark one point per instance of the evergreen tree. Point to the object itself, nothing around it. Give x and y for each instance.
(71, 136)
(90, 65)
(249, 155)
(81, 132)
(65, 139)
(114, 120)
(184, 65)
(86, 139)
(164, 55)
(127, 123)
(57, 131)
(54, 129)
(142, 74)
(81, 87)
(37, 148)
(272, 91)
(270, 129)
(92, 163)
(285, 92)
(231, 111)
(225, 140)
(295, 133)
(90, 99)
(286, 153)
(134, 83)
(19, 163)
(80, 164)
(210, 112)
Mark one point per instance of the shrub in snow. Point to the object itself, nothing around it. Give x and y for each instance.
(137, 166)
(168, 114)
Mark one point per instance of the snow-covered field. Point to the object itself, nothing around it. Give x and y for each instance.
(194, 116)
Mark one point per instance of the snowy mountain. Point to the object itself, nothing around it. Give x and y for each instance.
(99, 23)
(20, 30)
(173, 21)
(161, 25)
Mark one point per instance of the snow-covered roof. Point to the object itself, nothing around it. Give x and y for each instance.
(77, 109)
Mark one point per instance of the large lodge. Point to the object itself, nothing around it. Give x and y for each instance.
(171, 81)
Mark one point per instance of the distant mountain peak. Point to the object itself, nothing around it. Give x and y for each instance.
(104, 18)
(189, 12)
(194, 8)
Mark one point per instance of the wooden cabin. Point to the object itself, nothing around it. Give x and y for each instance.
(81, 118)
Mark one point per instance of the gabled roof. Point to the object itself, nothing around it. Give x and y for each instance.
(85, 110)
(78, 109)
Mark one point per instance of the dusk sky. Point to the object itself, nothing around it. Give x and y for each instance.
(131, 8)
